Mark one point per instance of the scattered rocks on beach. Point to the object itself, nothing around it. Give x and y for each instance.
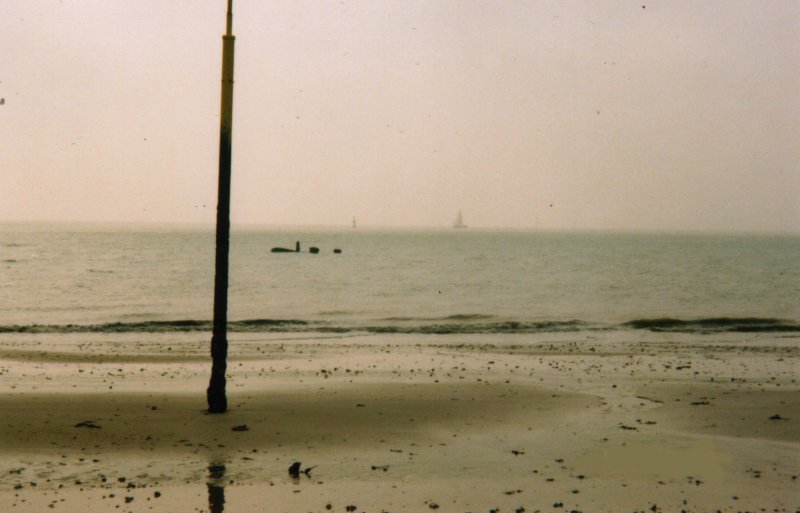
(87, 424)
(356, 431)
(294, 470)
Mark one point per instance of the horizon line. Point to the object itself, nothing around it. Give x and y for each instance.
(209, 225)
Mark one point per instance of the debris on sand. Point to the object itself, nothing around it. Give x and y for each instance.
(87, 424)
(294, 470)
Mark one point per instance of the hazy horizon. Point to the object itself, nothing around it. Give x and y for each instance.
(657, 116)
(188, 226)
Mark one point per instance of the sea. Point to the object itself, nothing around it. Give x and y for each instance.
(63, 278)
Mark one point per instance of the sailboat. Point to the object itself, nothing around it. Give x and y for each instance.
(459, 221)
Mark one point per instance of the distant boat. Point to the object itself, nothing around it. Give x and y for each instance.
(287, 250)
(459, 221)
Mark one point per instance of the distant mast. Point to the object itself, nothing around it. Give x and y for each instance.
(459, 221)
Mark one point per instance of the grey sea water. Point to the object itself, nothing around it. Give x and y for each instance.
(86, 278)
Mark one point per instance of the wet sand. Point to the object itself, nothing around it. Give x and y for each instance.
(562, 422)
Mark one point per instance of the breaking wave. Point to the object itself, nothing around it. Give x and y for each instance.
(453, 324)
(185, 325)
(715, 324)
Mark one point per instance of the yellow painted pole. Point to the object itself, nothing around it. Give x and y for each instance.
(217, 400)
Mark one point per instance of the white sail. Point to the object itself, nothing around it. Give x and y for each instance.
(459, 221)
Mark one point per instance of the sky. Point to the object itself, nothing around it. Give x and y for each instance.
(553, 115)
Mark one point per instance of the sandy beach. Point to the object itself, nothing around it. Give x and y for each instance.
(554, 422)
(470, 257)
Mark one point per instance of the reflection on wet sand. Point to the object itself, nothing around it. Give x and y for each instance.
(216, 488)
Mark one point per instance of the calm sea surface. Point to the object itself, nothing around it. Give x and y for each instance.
(62, 279)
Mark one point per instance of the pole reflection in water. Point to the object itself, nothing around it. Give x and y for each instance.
(216, 488)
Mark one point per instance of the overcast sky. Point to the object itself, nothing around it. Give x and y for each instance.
(677, 115)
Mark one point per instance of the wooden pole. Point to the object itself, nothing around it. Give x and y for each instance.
(217, 400)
